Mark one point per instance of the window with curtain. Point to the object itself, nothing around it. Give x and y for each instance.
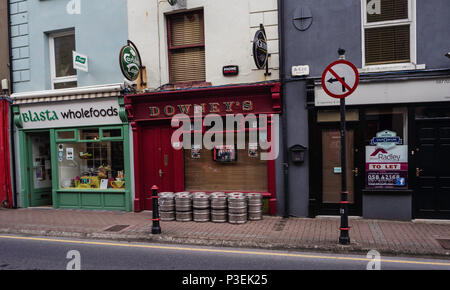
(387, 31)
(186, 43)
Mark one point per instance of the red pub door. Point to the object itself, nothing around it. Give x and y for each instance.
(161, 164)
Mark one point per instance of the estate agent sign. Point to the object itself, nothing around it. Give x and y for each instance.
(386, 162)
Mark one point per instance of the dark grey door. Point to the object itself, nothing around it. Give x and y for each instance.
(432, 155)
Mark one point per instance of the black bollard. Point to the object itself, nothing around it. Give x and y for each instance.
(156, 228)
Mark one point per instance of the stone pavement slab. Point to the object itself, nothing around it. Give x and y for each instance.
(387, 237)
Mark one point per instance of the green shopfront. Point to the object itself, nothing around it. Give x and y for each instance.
(74, 149)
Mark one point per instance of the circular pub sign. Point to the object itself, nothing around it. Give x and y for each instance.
(129, 62)
(260, 54)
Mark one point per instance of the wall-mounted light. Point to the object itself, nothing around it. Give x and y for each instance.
(447, 54)
(172, 2)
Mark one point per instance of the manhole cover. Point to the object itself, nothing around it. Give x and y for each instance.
(116, 228)
(279, 226)
(445, 243)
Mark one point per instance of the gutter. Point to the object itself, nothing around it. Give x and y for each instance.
(11, 122)
(284, 117)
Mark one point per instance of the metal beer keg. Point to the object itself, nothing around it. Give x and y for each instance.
(218, 201)
(184, 216)
(201, 215)
(237, 209)
(201, 207)
(255, 205)
(166, 204)
(219, 215)
(200, 200)
(183, 206)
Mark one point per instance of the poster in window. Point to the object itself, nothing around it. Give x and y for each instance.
(195, 152)
(225, 153)
(387, 168)
(253, 150)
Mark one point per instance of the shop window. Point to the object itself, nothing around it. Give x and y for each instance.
(432, 113)
(324, 116)
(89, 134)
(378, 120)
(386, 150)
(112, 133)
(388, 32)
(65, 135)
(186, 47)
(91, 160)
(95, 165)
(61, 46)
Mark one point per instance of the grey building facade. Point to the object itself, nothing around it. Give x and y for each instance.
(398, 120)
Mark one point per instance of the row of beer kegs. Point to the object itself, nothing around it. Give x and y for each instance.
(218, 207)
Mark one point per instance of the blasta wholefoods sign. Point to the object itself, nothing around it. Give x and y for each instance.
(70, 114)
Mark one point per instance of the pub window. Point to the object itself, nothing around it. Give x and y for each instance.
(61, 46)
(186, 47)
(228, 167)
(388, 31)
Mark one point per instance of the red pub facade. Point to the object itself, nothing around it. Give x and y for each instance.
(157, 162)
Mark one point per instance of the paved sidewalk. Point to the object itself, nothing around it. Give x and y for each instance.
(388, 237)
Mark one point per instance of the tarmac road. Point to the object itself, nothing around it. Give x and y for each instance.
(29, 253)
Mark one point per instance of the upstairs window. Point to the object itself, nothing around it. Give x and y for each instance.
(388, 31)
(186, 43)
(62, 45)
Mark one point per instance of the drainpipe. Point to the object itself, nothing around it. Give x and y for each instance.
(281, 45)
(11, 116)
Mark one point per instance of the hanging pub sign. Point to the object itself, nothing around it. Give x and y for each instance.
(260, 52)
(130, 61)
(386, 162)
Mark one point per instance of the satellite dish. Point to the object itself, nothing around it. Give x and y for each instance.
(172, 2)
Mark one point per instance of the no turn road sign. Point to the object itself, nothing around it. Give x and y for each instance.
(340, 79)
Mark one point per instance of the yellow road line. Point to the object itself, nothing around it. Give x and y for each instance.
(221, 251)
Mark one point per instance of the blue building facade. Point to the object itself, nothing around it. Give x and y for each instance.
(100, 29)
(71, 135)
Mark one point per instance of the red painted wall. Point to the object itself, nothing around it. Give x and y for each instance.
(6, 199)
(158, 107)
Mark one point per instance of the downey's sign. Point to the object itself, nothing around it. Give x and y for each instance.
(70, 114)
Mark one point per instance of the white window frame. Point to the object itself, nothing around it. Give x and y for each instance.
(411, 21)
(55, 80)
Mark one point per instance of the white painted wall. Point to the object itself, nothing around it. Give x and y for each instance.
(230, 26)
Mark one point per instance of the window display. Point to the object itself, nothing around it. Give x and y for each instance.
(386, 148)
(91, 165)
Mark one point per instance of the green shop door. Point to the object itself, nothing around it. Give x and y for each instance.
(39, 169)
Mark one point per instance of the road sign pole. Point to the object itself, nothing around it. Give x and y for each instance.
(344, 238)
(339, 80)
